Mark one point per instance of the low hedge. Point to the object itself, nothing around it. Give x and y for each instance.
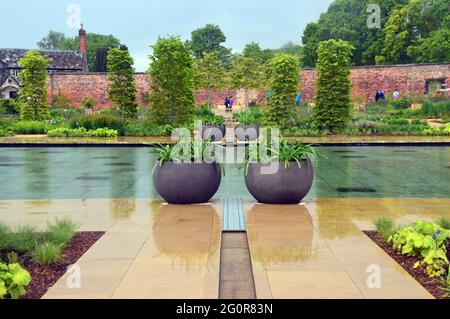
(98, 121)
(30, 127)
(82, 132)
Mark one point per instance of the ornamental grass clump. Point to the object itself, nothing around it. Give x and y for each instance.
(46, 253)
(61, 231)
(23, 239)
(386, 227)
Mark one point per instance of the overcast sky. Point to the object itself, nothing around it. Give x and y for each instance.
(138, 23)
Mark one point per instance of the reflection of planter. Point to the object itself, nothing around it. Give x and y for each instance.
(246, 132)
(285, 186)
(187, 183)
(189, 233)
(285, 233)
(215, 133)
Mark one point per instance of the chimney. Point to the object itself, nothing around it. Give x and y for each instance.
(82, 35)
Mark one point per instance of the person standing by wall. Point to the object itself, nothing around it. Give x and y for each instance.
(298, 99)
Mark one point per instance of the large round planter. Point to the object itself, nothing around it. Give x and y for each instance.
(246, 132)
(215, 133)
(187, 183)
(285, 186)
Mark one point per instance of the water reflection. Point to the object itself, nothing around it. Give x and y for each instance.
(189, 235)
(284, 234)
(37, 176)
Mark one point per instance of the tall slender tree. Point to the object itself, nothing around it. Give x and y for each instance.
(33, 81)
(122, 88)
(333, 104)
(172, 85)
(209, 75)
(246, 73)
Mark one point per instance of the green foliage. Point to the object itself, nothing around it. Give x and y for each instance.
(246, 74)
(186, 152)
(61, 100)
(82, 132)
(333, 103)
(436, 109)
(386, 227)
(33, 91)
(5, 235)
(284, 80)
(253, 50)
(99, 121)
(288, 152)
(427, 241)
(94, 41)
(122, 88)
(60, 232)
(30, 127)
(209, 39)
(444, 223)
(46, 253)
(250, 116)
(9, 107)
(88, 103)
(401, 104)
(209, 74)
(52, 41)
(172, 85)
(347, 20)
(13, 280)
(23, 239)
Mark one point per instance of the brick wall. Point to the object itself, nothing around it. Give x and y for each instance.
(410, 80)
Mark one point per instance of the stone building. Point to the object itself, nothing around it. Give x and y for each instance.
(60, 62)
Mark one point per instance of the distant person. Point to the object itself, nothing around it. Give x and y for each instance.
(227, 103)
(231, 103)
(298, 99)
(396, 95)
(377, 96)
(382, 96)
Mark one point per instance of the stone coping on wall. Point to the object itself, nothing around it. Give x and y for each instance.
(30, 141)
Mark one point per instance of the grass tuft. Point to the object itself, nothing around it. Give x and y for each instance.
(46, 253)
(5, 236)
(385, 226)
(61, 232)
(444, 223)
(24, 239)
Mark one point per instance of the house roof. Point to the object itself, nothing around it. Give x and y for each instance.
(59, 60)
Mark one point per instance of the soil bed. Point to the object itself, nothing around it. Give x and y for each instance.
(430, 284)
(44, 277)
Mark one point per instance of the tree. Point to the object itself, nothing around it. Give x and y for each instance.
(122, 89)
(347, 20)
(33, 91)
(172, 85)
(436, 48)
(253, 50)
(52, 41)
(333, 104)
(246, 74)
(283, 76)
(411, 28)
(209, 75)
(209, 39)
(94, 41)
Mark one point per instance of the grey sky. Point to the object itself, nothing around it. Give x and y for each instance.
(138, 23)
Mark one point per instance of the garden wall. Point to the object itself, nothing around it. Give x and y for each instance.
(410, 80)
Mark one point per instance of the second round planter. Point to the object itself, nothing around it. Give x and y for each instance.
(285, 186)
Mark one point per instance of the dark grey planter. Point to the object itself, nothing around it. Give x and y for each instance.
(246, 132)
(187, 183)
(215, 133)
(287, 186)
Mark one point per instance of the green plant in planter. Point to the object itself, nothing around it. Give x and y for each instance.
(13, 280)
(287, 153)
(386, 227)
(214, 120)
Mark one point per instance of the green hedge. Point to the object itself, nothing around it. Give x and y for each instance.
(30, 127)
(97, 121)
(82, 132)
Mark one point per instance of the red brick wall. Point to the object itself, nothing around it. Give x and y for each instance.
(408, 79)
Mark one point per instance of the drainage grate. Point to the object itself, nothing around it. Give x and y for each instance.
(233, 215)
(356, 190)
(405, 151)
(118, 164)
(12, 165)
(93, 178)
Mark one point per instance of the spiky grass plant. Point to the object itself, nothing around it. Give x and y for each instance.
(5, 236)
(444, 223)
(24, 239)
(46, 253)
(385, 227)
(61, 231)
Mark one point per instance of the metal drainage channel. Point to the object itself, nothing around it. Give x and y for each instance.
(236, 273)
